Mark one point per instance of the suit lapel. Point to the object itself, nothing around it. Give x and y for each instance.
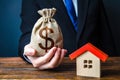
(82, 13)
(61, 10)
(58, 4)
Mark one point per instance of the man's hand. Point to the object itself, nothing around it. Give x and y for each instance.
(50, 60)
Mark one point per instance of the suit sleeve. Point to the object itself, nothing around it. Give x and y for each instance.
(28, 16)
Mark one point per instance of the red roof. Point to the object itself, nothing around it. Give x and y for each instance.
(89, 47)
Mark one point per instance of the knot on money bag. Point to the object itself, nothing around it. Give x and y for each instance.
(46, 32)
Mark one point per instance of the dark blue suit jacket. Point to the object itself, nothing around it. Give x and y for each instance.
(92, 24)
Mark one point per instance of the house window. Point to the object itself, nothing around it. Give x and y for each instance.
(87, 64)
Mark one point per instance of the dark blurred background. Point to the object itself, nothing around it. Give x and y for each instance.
(9, 27)
(10, 23)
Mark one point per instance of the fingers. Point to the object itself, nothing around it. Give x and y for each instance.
(55, 61)
(50, 54)
(44, 59)
(50, 60)
(63, 52)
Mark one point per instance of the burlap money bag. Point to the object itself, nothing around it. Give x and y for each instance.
(46, 32)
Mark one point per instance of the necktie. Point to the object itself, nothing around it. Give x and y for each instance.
(71, 12)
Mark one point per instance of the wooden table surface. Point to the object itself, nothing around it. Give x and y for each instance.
(15, 68)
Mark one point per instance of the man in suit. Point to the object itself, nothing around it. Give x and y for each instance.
(92, 28)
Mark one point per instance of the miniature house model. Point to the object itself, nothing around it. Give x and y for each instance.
(88, 60)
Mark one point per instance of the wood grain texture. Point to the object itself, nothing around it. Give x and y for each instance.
(15, 68)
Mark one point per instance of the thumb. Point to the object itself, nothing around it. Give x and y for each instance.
(28, 51)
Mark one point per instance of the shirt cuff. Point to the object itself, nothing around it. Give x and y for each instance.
(26, 58)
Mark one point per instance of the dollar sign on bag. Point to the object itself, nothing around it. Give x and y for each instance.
(46, 47)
